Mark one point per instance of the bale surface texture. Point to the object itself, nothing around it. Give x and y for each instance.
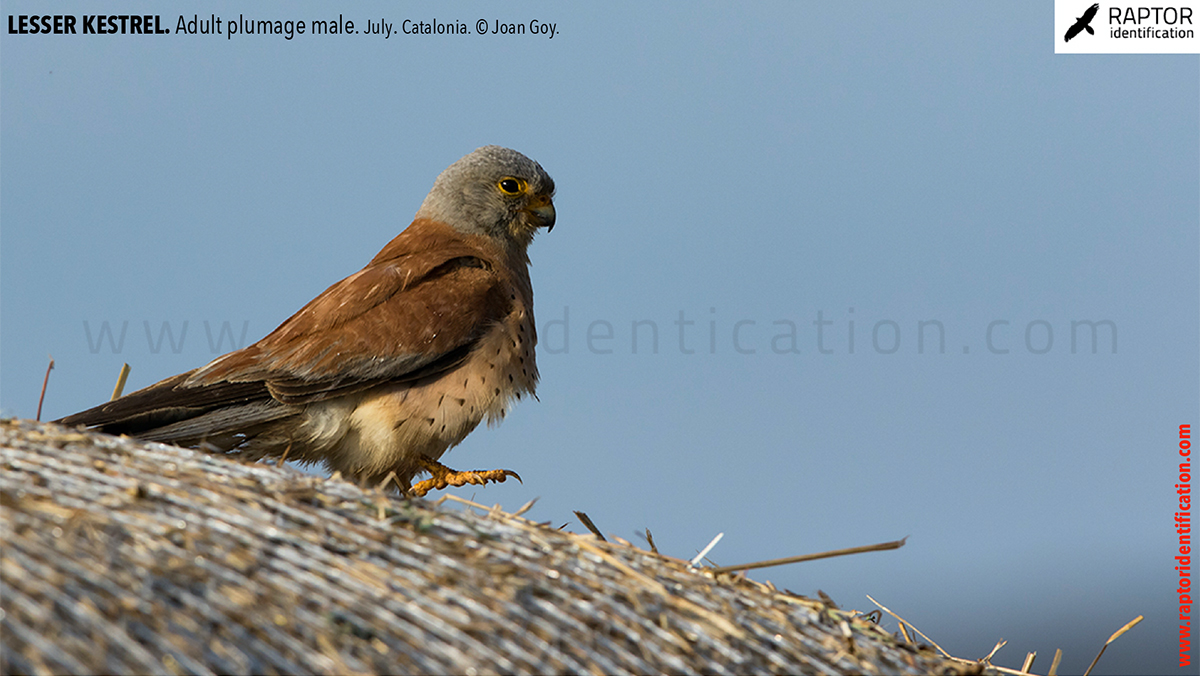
(122, 556)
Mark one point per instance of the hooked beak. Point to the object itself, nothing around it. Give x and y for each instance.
(541, 212)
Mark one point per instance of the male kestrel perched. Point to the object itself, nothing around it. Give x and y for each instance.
(390, 367)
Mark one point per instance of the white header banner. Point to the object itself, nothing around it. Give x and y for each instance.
(1082, 27)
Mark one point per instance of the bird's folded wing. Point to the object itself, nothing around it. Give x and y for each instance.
(392, 321)
(410, 315)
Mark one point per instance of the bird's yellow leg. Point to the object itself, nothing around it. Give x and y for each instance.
(443, 477)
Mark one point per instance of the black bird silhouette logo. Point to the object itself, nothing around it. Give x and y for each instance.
(1083, 23)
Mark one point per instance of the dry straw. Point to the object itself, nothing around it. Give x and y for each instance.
(128, 557)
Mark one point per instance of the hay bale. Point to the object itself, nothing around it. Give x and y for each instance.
(122, 556)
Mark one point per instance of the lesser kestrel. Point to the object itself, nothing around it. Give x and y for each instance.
(393, 365)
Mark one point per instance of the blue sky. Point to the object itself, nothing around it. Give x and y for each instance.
(754, 168)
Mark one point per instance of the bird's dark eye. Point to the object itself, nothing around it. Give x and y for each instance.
(510, 186)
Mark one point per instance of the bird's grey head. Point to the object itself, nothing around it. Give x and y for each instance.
(493, 191)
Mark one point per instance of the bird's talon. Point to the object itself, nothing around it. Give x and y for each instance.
(443, 477)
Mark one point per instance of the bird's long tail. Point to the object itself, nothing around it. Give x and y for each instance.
(219, 416)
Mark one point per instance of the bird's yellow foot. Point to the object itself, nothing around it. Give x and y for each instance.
(443, 477)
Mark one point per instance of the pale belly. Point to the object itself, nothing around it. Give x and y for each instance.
(387, 429)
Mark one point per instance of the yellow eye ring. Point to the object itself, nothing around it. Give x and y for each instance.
(511, 186)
